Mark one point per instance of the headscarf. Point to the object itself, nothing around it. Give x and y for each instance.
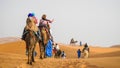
(30, 15)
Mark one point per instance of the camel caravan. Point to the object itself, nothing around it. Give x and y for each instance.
(33, 34)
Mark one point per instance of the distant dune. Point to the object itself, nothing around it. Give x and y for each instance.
(9, 39)
(12, 55)
(115, 46)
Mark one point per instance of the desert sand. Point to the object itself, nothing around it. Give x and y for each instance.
(12, 55)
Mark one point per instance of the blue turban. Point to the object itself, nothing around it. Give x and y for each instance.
(30, 15)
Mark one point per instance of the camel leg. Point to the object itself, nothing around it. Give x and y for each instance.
(28, 50)
(33, 50)
(40, 51)
(28, 56)
(31, 55)
(40, 46)
(44, 52)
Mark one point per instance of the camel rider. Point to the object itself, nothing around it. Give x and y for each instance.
(85, 48)
(31, 25)
(44, 23)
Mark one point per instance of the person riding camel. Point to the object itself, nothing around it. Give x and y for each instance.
(31, 22)
(31, 25)
(44, 23)
(86, 51)
(85, 48)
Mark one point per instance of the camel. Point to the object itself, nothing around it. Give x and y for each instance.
(43, 42)
(72, 42)
(31, 41)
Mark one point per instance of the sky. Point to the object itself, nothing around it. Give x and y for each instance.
(96, 22)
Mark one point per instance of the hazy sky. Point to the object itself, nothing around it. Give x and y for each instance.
(96, 22)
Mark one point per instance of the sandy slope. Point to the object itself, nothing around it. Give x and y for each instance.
(12, 55)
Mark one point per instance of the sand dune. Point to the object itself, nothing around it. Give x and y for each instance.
(8, 39)
(115, 46)
(12, 55)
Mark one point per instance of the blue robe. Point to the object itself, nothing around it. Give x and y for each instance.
(48, 51)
